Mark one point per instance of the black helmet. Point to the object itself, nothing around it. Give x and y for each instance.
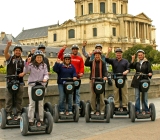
(38, 52)
(98, 45)
(17, 47)
(140, 51)
(118, 50)
(66, 55)
(75, 47)
(41, 46)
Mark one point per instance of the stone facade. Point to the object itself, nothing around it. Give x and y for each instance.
(100, 21)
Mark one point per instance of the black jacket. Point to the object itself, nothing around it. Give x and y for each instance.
(97, 73)
(145, 69)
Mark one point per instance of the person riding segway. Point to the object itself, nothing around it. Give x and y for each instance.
(141, 84)
(15, 84)
(66, 78)
(97, 109)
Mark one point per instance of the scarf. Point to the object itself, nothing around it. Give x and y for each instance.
(93, 72)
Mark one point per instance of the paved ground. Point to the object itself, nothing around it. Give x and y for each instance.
(119, 128)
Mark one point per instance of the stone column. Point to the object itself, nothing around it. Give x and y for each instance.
(126, 34)
(95, 6)
(76, 9)
(109, 6)
(144, 31)
(135, 29)
(85, 7)
(130, 25)
(147, 32)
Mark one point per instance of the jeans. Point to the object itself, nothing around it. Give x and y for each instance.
(77, 97)
(62, 99)
(137, 99)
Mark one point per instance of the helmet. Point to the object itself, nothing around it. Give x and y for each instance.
(41, 46)
(38, 52)
(118, 50)
(97, 51)
(98, 45)
(140, 51)
(75, 47)
(17, 47)
(66, 55)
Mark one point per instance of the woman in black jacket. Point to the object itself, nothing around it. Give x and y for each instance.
(141, 66)
(98, 69)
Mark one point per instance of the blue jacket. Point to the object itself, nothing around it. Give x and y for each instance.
(64, 72)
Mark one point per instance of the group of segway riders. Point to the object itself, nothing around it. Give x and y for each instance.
(70, 68)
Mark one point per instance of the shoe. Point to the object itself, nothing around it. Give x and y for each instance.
(92, 112)
(147, 112)
(9, 116)
(102, 112)
(70, 113)
(97, 113)
(61, 113)
(31, 123)
(143, 112)
(19, 116)
(124, 109)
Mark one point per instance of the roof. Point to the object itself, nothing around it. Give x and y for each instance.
(9, 37)
(34, 33)
(26, 49)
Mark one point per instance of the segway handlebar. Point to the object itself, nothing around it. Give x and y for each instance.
(141, 74)
(36, 82)
(9, 76)
(97, 78)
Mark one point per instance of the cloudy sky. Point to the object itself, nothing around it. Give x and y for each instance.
(19, 14)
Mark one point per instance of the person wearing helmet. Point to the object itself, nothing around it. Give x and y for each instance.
(119, 65)
(42, 48)
(142, 65)
(98, 69)
(77, 62)
(86, 55)
(15, 66)
(38, 72)
(64, 70)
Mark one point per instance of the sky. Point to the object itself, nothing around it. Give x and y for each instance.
(27, 14)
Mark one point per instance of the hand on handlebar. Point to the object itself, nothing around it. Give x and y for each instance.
(44, 80)
(80, 74)
(74, 78)
(21, 74)
(149, 74)
(104, 78)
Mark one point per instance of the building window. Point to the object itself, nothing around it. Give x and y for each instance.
(28, 43)
(71, 33)
(121, 9)
(114, 31)
(32, 44)
(94, 31)
(114, 8)
(102, 7)
(81, 10)
(54, 37)
(90, 7)
(51, 54)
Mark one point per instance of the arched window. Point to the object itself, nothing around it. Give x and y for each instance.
(71, 33)
(102, 7)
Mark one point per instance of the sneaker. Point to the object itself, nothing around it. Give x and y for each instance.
(143, 112)
(19, 116)
(92, 112)
(9, 116)
(67, 113)
(102, 112)
(31, 123)
(61, 113)
(70, 113)
(97, 113)
(147, 112)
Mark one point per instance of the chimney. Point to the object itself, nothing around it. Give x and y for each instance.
(2, 35)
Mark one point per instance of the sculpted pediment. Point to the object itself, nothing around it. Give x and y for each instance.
(143, 16)
(68, 23)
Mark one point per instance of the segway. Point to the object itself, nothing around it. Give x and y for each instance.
(119, 82)
(37, 92)
(77, 84)
(144, 85)
(13, 86)
(68, 87)
(98, 87)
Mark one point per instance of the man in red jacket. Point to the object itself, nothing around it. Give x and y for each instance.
(77, 62)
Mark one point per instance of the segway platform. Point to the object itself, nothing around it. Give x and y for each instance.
(141, 116)
(64, 117)
(13, 122)
(121, 113)
(98, 117)
(37, 128)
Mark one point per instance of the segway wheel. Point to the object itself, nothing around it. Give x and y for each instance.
(129, 107)
(152, 111)
(87, 112)
(108, 111)
(132, 113)
(82, 106)
(25, 110)
(106, 101)
(48, 119)
(111, 109)
(76, 113)
(3, 118)
(48, 107)
(56, 113)
(111, 98)
(24, 124)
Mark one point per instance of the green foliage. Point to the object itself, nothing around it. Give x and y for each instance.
(86, 69)
(3, 70)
